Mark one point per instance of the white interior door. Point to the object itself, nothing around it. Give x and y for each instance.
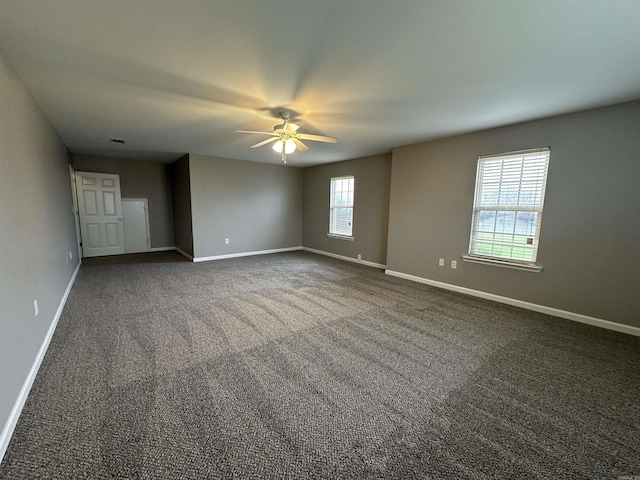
(136, 225)
(100, 213)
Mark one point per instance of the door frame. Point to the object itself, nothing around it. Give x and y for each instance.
(76, 211)
(146, 218)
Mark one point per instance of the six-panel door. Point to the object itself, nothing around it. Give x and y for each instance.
(100, 213)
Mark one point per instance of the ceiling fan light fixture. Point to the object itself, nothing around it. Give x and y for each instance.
(289, 146)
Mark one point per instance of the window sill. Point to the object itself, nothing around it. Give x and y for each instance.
(503, 264)
(340, 237)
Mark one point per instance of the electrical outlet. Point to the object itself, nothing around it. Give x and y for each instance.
(359, 257)
(441, 262)
(35, 307)
(226, 241)
(454, 264)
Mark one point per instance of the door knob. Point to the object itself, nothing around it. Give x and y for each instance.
(119, 219)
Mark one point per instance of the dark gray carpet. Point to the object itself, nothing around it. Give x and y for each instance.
(300, 366)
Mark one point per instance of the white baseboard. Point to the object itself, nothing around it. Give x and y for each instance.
(246, 254)
(577, 317)
(342, 257)
(7, 430)
(162, 249)
(184, 254)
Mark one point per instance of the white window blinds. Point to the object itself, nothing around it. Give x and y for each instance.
(507, 209)
(341, 206)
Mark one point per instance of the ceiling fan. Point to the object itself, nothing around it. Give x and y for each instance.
(287, 138)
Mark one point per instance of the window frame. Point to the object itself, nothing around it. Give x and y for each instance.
(332, 205)
(508, 261)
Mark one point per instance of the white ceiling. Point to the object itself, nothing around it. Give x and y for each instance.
(171, 77)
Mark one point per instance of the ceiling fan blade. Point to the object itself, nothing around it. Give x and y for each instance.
(290, 127)
(253, 131)
(301, 146)
(317, 138)
(264, 142)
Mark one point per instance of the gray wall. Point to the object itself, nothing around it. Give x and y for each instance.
(37, 232)
(256, 205)
(371, 207)
(180, 185)
(590, 237)
(140, 179)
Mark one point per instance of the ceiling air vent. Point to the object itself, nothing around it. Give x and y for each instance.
(116, 140)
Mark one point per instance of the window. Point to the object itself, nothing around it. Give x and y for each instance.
(341, 207)
(507, 209)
